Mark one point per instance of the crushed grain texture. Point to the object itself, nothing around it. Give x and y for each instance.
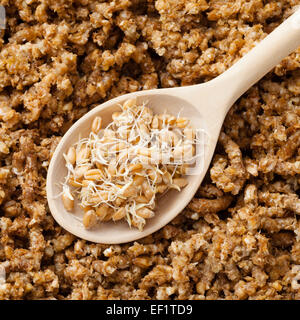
(239, 238)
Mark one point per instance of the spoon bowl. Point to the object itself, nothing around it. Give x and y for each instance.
(206, 105)
(168, 205)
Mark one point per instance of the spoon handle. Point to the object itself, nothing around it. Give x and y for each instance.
(261, 59)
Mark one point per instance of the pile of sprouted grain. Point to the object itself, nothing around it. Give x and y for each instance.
(118, 171)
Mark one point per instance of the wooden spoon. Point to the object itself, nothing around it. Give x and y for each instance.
(205, 105)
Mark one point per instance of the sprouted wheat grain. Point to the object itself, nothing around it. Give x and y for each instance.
(117, 172)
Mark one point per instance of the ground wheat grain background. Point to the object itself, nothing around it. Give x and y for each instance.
(239, 238)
